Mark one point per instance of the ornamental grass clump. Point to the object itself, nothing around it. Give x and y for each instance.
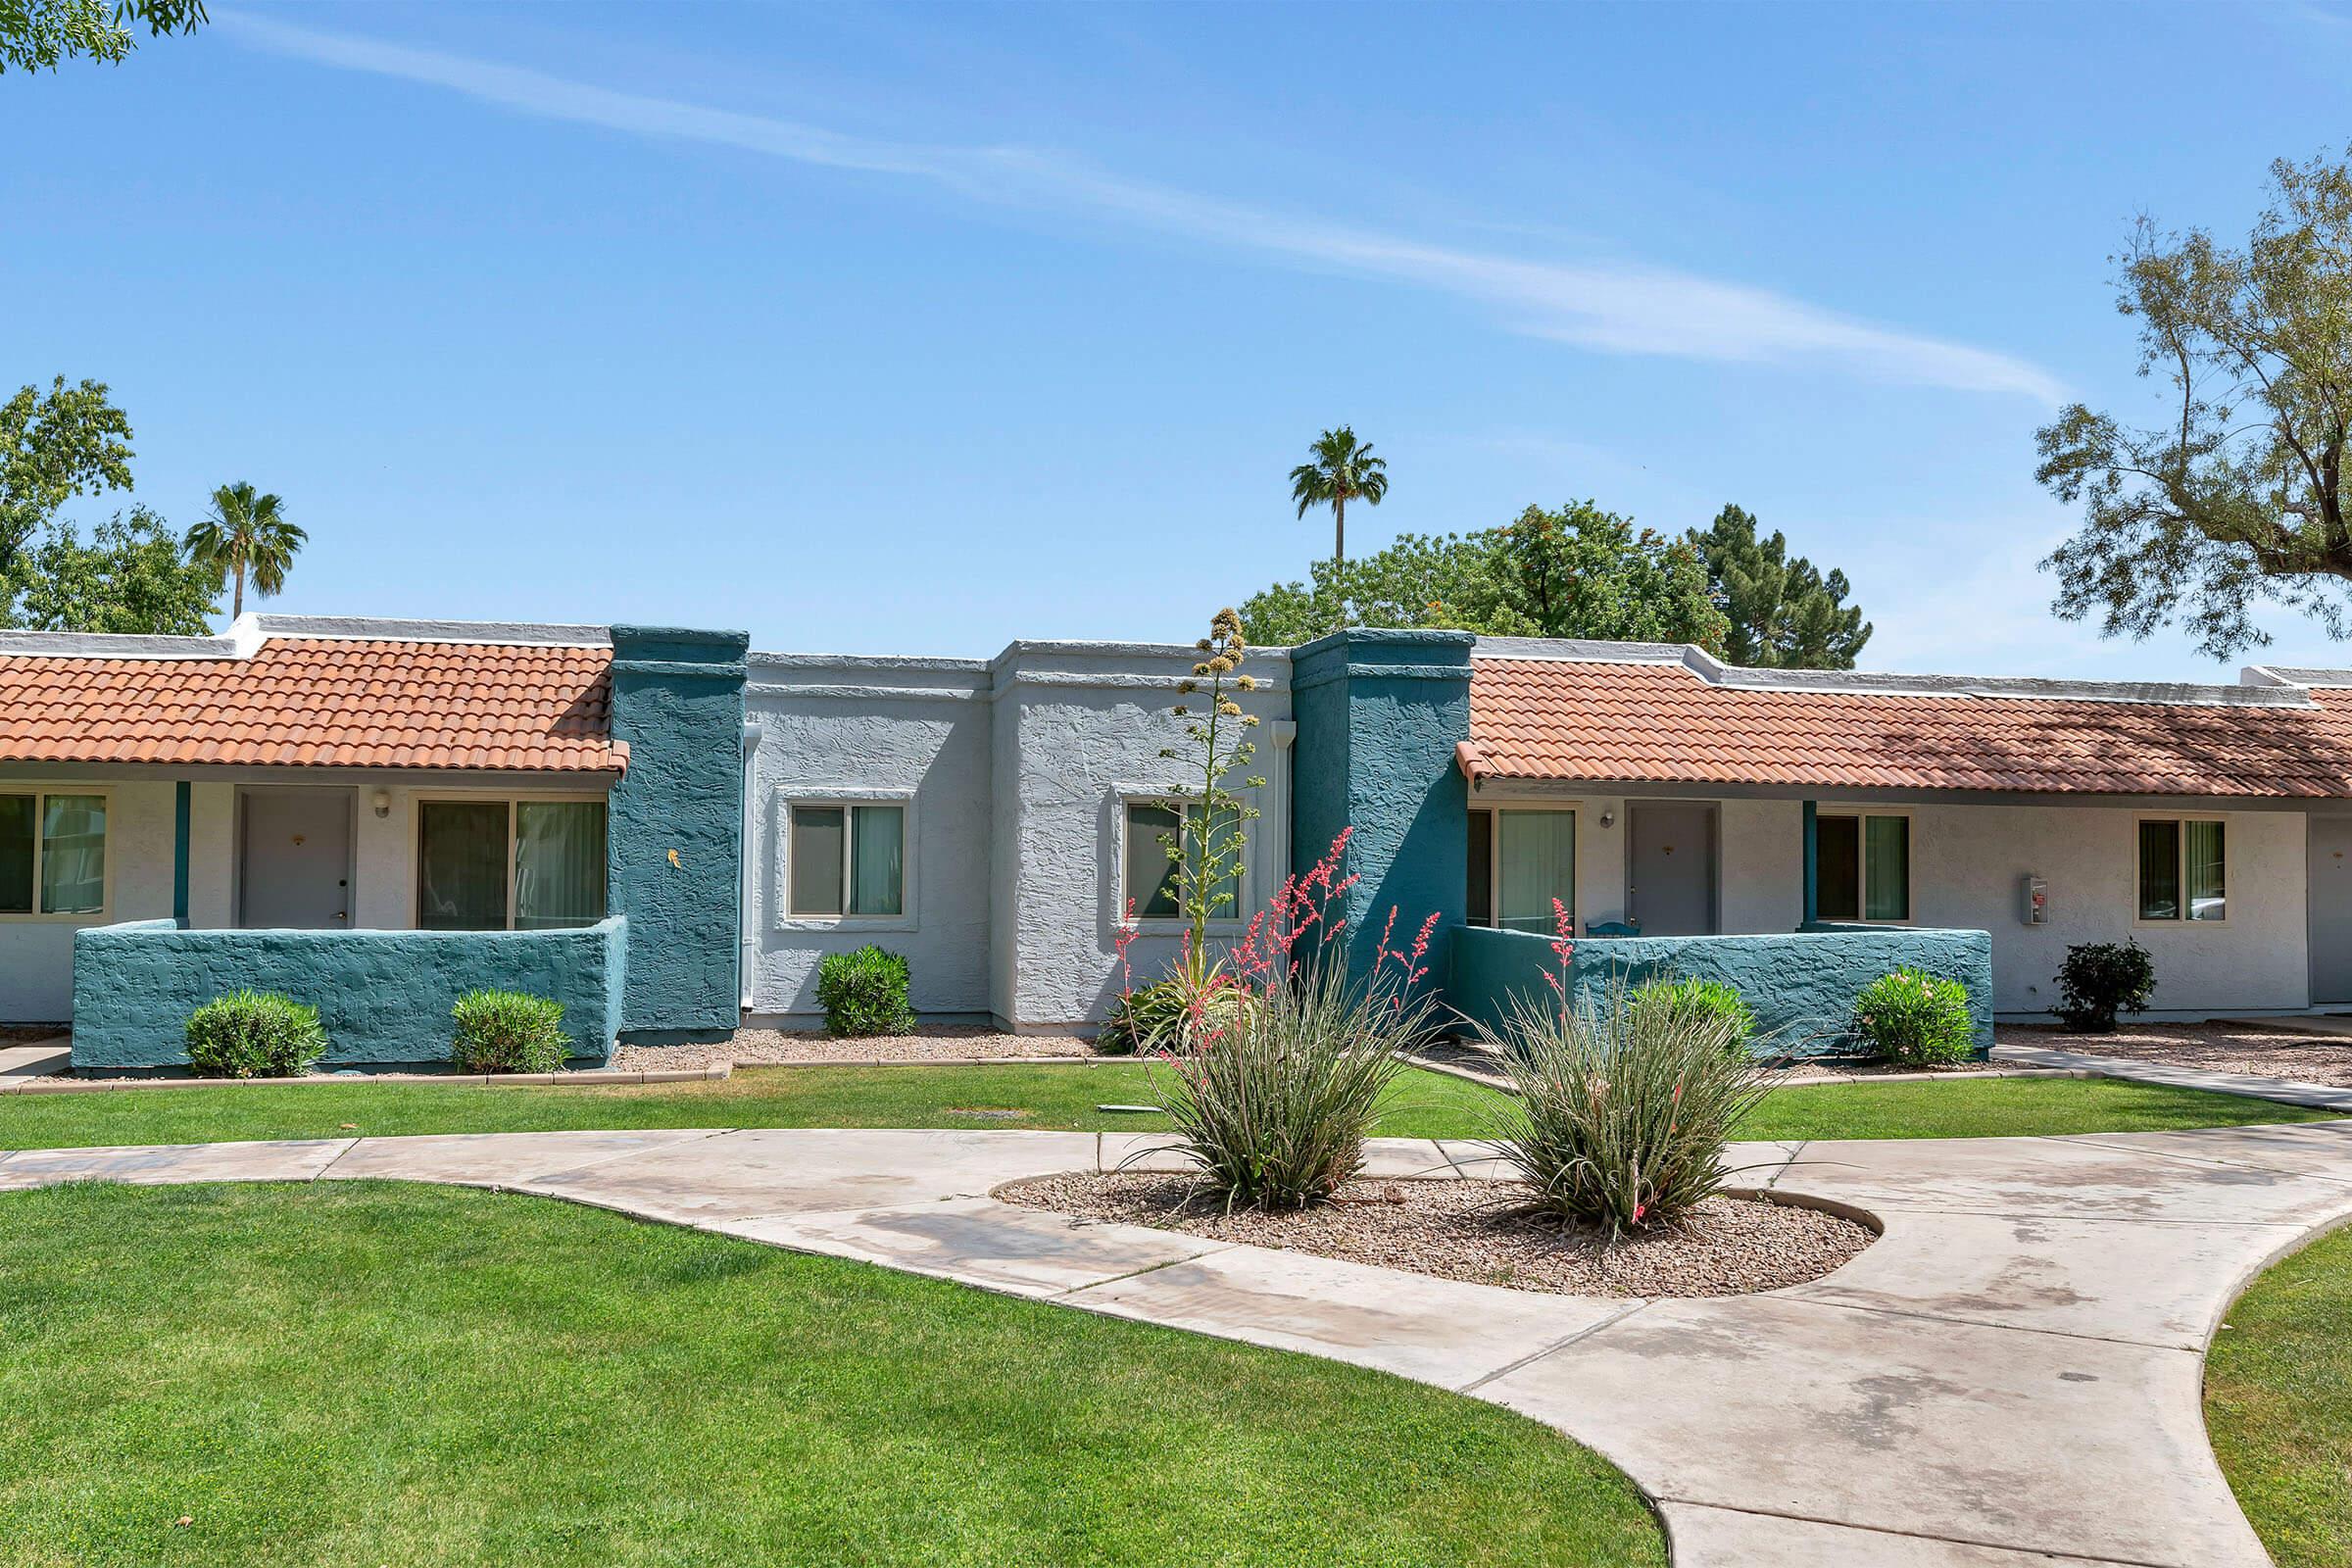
(255, 1034)
(1914, 1019)
(1277, 1104)
(508, 1031)
(1623, 1104)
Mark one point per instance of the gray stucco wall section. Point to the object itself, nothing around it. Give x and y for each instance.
(383, 996)
(911, 733)
(1801, 985)
(1078, 728)
(674, 828)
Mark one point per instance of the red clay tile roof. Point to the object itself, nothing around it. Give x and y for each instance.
(324, 702)
(1596, 721)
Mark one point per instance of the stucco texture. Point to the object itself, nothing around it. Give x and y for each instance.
(37, 953)
(383, 996)
(1801, 985)
(674, 828)
(921, 743)
(1379, 714)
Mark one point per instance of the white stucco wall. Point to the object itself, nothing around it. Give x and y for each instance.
(1967, 863)
(910, 733)
(37, 953)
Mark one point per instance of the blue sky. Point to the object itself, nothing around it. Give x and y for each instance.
(917, 329)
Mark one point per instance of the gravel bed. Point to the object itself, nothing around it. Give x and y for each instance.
(929, 1043)
(2213, 1047)
(1482, 1232)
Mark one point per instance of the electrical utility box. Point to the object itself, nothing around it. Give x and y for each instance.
(2037, 896)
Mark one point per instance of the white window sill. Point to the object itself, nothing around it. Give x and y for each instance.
(846, 924)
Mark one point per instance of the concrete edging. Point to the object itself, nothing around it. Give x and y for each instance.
(595, 1078)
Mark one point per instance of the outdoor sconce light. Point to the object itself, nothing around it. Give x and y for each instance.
(1609, 818)
(381, 799)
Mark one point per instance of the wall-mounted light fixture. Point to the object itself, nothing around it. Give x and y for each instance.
(381, 799)
(1609, 818)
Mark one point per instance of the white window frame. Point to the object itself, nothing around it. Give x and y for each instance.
(40, 794)
(1231, 923)
(1575, 809)
(1861, 816)
(842, 798)
(509, 800)
(2180, 921)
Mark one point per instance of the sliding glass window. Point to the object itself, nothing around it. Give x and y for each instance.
(518, 864)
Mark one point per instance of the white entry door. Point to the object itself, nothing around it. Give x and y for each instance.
(294, 858)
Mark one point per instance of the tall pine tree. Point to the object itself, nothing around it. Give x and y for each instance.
(1784, 612)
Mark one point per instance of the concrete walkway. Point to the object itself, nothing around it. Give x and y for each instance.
(2010, 1375)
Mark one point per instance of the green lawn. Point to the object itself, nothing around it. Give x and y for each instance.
(1424, 1104)
(2278, 1405)
(384, 1376)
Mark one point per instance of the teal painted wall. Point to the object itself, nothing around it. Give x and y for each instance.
(1379, 715)
(1801, 985)
(383, 996)
(675, 829)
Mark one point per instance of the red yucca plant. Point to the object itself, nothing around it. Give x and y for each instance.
(1274, 1083)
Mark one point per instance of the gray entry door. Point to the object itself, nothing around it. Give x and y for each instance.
(1670, 868)
(2328, 890)
(294, 870)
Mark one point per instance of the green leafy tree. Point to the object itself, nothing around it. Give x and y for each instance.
(69, 441)
(1342, 470)
(1783, 612)
(35, 34)
(133, 574)
(1578, 571)
(1584, 572)
(247, 533)
(2234, 498)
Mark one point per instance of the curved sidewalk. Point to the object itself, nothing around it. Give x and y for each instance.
(2010, 1375)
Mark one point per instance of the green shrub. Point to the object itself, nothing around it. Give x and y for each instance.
(1160, 1017)
(508, 1031)
(255, 1034)
(864, 993)
(1276, 1102)
(1912, 1018)
(1709, 999)
(1622, 1106)
(2100, 979)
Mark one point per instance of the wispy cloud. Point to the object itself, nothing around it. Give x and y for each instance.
(1612, 307)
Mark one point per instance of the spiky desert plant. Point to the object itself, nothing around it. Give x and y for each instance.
(1624, 1102)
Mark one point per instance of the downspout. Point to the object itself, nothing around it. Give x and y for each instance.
(746, 924)
(1812, 866)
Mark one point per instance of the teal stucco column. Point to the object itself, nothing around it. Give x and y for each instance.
(673, 848)
(181, 807)
(1379, 715)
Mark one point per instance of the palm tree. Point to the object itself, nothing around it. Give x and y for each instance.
(247, 533)
(1343, 472)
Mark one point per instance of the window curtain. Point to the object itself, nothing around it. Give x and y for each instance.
(1534, 862)
(16, 853)
(461, 865)
(877, 859)
(2160, 870)
(1887, 878)
(816, 835)
(559, 863)
(73, 855)
(2208, 891)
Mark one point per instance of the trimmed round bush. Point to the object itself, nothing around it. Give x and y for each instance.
(508, 1031)
(1915, 1020)
(864, 993)
(2100, 979)
(1708, 1000)
(255, 1034)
